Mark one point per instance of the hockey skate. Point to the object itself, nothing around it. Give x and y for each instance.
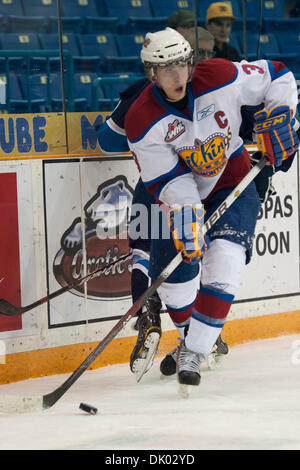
(188, 368)
(149, 333)
(220, 350)
(168, 364)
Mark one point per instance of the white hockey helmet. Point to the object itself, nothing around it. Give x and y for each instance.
(165, 47)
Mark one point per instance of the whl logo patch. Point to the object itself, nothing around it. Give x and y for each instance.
(175, 129)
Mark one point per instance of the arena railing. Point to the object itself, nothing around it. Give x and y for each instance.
(110, 81)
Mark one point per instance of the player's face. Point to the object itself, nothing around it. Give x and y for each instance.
(205, 50)
(173, 80)
(220, 29)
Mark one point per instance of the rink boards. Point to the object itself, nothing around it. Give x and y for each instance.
(50, 192)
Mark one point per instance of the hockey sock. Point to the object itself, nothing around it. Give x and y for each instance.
(140, 280)
(208, 318)
(181, 318)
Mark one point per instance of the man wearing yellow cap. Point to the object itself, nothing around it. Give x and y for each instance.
(219, 19)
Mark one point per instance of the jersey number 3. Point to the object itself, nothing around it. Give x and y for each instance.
(249, 68)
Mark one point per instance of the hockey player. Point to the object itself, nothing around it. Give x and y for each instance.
(112, 139)
(184, 133)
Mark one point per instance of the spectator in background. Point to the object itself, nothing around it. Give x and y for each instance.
(206, 42)
(219, 20)
(181, 20)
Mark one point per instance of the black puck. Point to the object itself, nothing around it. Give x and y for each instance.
(88, 408)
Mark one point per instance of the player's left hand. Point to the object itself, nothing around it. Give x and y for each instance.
(276, 136)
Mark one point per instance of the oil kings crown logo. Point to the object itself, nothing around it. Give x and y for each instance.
(107, 212)
(208, 157)
(175, 129)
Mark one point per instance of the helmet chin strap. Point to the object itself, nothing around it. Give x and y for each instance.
(191, 70)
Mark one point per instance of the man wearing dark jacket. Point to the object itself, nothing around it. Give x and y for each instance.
(219, 19)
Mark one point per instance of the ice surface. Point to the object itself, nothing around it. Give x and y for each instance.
(251, 401)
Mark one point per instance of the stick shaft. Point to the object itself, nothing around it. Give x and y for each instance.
(10, 310)
(22, 404)
(50, 399)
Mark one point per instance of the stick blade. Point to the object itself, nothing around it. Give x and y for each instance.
(8, 309)
(19, 404)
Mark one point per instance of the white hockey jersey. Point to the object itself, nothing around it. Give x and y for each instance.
(183, 157)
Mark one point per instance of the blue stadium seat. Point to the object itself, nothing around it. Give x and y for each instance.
(267, 45)
(14, 99)
(19, 41)
(14, 41)
(112, 91)
(100, 45)
(14, 7)
(251, 26)
(123, 9)
(27, 24)
(20, 101)
(39, 8)
(273, 9)
(167, 7)
(129, 64)
(51, 41)
(93, 25)
(234, 42)
(94, 49)
(79, 8)
(289, 42)
(252, 9)
(270, 9)
(143, 25)
(39, 87)
(128, 59)
(282, 25)
(101, 7)
(289, 46)
(3, 25)
(105, 104)
(83, 83)
(84, 64)
(130, 44)
(36, 87)
(69, 24)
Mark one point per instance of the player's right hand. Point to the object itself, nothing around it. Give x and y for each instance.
(185, 225)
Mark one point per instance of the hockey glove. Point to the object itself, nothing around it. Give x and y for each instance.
(276, 137)
(185, 226)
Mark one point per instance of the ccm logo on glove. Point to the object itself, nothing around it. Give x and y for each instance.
(276, 137)
(271, 123)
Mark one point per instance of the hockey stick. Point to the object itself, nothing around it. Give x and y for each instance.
(22, 404)
(10, 310)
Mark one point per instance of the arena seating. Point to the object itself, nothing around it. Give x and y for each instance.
(105, 37)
